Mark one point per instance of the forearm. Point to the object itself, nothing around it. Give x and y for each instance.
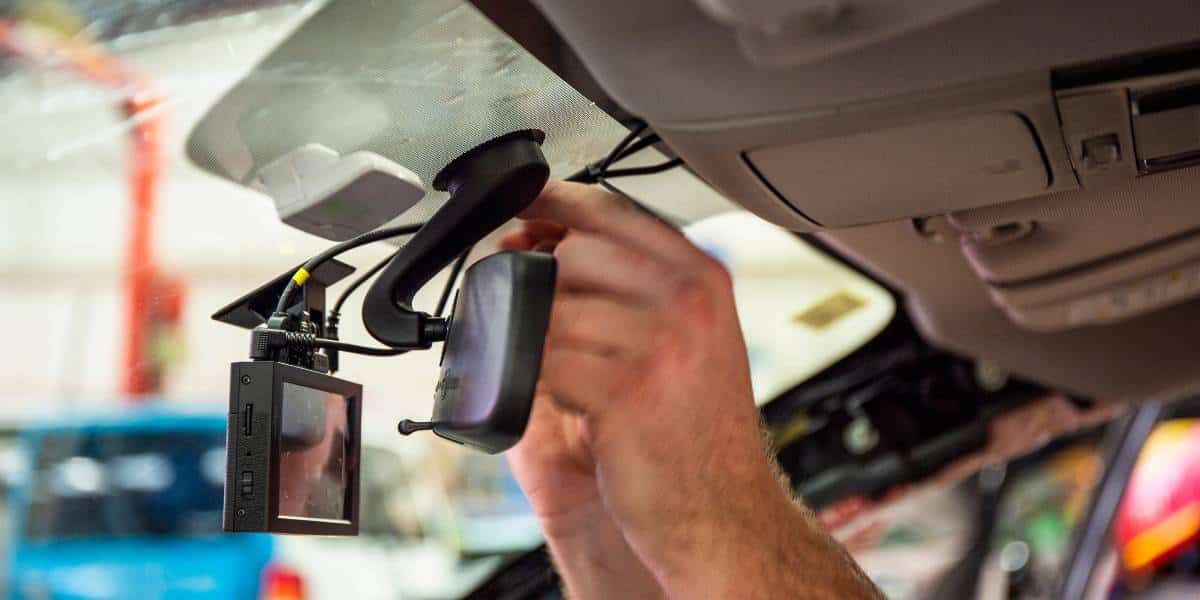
(595, 562)
(771, 548)
(806, 562)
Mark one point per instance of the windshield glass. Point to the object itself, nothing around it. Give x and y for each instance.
(113, 485)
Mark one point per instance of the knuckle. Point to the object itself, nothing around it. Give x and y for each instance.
(715, 273)
(690, 293)
(568, 251)
(599, 204)
(555, 187)
(698, 294)
(641, 262)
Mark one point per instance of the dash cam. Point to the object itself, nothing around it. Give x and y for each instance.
(293, 451)
(293, 435)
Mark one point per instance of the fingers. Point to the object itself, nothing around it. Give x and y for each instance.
(517, 240)
(624, 277)
(580, 381)
(546, 230)
(600, 325)
(534, 235)
(544, 438)
(587, 209)
(588, 263)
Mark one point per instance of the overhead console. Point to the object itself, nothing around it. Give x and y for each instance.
(1093, 127)
(1119, 120)
(1131, 116)
(1073, 192)
(1109, 233)
(1055, 140)
(1126, 243)
(967, 147)
(935, 166)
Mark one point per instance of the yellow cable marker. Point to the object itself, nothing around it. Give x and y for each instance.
(301, 276)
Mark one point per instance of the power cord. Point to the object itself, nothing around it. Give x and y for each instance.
(357, 283)
(601, 172)
(306, 340)
(302, 274)
(333, 319)
(595, 173)
(265, 342)
(334, 316)
(454, 271)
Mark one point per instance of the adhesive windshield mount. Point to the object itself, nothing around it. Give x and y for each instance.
(495, 335)
(489, 185)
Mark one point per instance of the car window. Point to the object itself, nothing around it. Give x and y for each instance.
(791, 295)
(117, 485)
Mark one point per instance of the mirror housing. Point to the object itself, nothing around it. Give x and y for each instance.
(493, 353)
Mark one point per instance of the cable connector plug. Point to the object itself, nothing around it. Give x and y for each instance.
(266, 343)
(434, 329)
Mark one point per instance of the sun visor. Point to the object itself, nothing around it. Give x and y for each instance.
(418, 82)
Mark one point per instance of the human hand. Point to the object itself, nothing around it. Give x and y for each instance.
(647, 378)
(554, 465)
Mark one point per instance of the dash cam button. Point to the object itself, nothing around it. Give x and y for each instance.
(248, 420)
(247, 477)
(247, 491)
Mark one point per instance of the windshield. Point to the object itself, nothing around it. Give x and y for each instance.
(115, 485)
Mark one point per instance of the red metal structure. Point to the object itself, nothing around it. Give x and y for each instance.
(143, 108)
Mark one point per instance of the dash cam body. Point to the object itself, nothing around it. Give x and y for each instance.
(293, 446)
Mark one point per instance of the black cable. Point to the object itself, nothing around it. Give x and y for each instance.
(618, 151)
(355, 348)
(265, 342)
(583, 175)
(335, 314)
(369, 273)
(454, 271)
(357, 283)
(628, 146)
(599, 173)
(593, 173)
(311, 264)
(639, 145)
(646, 170)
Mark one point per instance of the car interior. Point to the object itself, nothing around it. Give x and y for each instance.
(1011, 180)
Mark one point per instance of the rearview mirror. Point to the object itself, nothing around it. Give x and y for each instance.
(493, 352)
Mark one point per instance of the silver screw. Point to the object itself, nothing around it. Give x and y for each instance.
(860, 436)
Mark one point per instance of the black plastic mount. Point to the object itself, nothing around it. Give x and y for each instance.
(255, 308)
(489, 185)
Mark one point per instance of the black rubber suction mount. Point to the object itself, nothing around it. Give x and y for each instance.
(489, 185)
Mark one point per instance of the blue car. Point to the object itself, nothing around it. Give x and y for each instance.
(130, 507)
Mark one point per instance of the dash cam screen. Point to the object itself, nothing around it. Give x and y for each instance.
(314, 450)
